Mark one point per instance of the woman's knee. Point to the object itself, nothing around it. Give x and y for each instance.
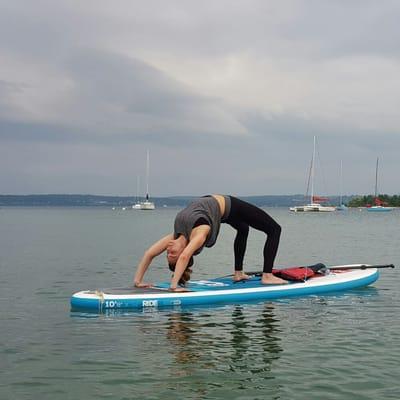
(274, 230)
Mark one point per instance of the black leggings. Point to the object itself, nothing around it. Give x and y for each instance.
(241, 216)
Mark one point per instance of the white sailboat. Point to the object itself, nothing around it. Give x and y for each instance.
(314, 205)
(147, 204)
(379, 205)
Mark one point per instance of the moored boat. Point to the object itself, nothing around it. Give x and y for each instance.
(315, 201)
(379, 206)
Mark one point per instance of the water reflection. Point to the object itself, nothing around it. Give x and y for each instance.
(270, 337)
(181, 330)
(245, 343)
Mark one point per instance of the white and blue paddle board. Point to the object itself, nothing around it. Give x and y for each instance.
(222, 290)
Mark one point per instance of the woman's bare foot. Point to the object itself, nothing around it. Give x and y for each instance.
(178, 289)
(240, 276)
(270, 279)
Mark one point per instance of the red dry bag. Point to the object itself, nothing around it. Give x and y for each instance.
(294, 273)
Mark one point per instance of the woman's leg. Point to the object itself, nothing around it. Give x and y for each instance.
(246, 214)
(240, 243)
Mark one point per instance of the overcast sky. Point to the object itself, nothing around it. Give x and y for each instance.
(226, 95)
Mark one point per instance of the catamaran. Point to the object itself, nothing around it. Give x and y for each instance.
(315, 201)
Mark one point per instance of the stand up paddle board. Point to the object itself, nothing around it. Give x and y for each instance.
(225, 290)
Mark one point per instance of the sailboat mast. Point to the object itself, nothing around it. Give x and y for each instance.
(376, 178)
(137, 188)
(341, 185)
(147, 175)
(312, 174)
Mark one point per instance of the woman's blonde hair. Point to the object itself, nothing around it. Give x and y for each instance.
(186, 273)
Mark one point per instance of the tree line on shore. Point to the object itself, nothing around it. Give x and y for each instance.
(370, 200)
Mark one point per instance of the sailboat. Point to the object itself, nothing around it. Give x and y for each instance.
(379, 204)
(147, 204)
(314, 205)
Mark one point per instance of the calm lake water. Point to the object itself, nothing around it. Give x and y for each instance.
(344, 346)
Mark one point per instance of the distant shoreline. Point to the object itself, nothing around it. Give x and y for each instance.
(84, 200)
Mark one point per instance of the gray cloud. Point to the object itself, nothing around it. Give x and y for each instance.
(227, 95)
(142, 97)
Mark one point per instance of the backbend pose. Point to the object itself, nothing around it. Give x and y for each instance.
(197, 226)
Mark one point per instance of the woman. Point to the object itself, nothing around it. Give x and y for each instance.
(197, 226)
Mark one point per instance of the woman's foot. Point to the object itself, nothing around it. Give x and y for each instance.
(270, 279)
(240, 276)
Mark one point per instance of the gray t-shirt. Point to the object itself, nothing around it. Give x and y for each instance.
(206, 208)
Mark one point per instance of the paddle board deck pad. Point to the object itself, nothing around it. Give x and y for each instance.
(221, 290)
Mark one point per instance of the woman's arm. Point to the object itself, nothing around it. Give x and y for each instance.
(197, 240)
(153, 251)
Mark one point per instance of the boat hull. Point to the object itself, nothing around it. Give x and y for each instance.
(379, 209)
(313, 208)
(147, 205)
